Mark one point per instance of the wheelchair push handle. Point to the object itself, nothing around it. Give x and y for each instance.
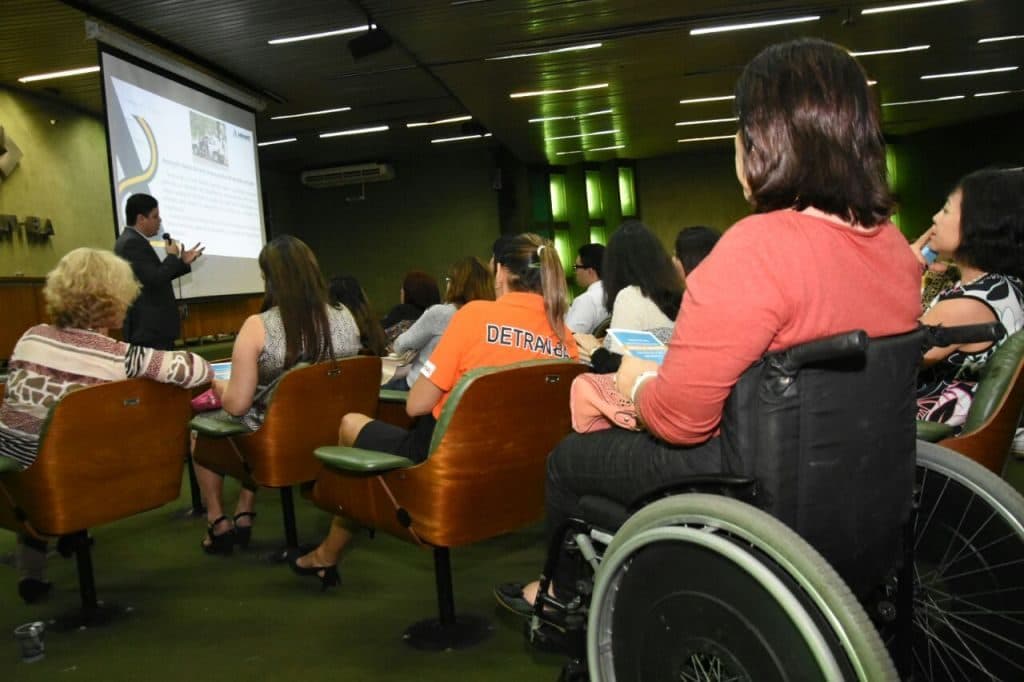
(939, 336)
(838, 347)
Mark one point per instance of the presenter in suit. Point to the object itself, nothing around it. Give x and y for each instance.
(153, 319)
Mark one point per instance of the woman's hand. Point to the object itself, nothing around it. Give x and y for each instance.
(629, 370)
(219, 386)
(919, 244)
(586, 344)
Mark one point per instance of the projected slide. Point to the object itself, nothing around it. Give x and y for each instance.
(197, 155)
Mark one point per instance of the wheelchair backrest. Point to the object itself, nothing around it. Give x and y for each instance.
(831, 442)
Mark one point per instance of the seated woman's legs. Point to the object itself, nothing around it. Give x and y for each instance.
(30, 561)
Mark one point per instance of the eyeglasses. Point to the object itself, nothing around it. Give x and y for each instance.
(577, 266)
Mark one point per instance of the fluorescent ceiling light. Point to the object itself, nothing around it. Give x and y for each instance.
(58, 74)
(356, 131)
(572, 117)
(459, 138)
(753, 24)
(537, 93)
(311, 113)
(325, 34)
(708, 120)
(520, 55)
(997, 92)
(922, 101)
(698, 100)
(440, 121)
(870, 83)
(575, 151)
(895, 50)
(996, 39)
(910, 5)
(573, 137)
(607, 149)
(976, 72)
(281, 141)
(704, 139)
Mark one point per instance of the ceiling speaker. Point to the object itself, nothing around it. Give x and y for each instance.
(375, 40)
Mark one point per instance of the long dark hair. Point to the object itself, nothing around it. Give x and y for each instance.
(470, 281)
(296, 287)
(809, 127)
(533, 266)
(346, 290)
(992, 221)
(420, 290)
(635, 257)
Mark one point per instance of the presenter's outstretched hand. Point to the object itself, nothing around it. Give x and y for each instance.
(193, 253)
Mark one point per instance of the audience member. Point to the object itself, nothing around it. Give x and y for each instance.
(419, 291)
(298, 325)
(588, 310)
(810, 157)
(345, 290)
(531, 290)
(86, 295)
(469, 281)
(693, 244)
(980, 229)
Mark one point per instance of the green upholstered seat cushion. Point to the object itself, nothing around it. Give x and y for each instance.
(389, 395)
(8, 464)
(357, 460)
(933, 432)
(211, 427)
(996, 378)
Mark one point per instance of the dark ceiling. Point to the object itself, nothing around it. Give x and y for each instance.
(438, 66)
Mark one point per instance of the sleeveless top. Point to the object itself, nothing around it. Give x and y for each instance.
(270, 363)
(946, 389)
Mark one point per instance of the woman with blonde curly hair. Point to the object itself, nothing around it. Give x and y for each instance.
(86, 295)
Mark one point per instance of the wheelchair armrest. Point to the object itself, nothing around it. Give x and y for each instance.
(8, 464)
(938, 336)
(217, 428)
(933, 432)
(839, 346)
(359, 461)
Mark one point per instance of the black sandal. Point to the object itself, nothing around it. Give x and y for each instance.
(243, 533)
(222, 543)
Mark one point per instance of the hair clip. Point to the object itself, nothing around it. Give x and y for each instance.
(540, 250)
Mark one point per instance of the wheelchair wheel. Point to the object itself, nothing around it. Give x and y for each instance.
(969, 571)
(702, 587)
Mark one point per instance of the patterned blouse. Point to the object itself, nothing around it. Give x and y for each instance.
(945, 390)
(49, 362)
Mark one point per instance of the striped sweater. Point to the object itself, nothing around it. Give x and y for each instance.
(48, 362)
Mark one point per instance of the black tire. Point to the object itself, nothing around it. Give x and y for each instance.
(745, 598)
(969, 571)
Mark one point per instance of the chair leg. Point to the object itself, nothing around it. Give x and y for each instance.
(291, 534)
(447, 631)
(93, 612)
(193, 485)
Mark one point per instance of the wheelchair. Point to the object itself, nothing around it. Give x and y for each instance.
(834, 547)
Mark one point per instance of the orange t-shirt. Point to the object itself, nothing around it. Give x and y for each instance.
(494, 333)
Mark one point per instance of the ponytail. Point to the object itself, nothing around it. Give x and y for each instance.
(533, 265)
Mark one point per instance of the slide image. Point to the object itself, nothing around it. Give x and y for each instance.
(209, 138)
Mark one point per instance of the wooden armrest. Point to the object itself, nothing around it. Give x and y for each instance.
(933, 432)
(357, 460)
(390, 395)
(212, 427)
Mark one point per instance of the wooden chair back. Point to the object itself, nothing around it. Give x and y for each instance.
(996, 409)
(485, 472)
(304, 413)
(106, 452)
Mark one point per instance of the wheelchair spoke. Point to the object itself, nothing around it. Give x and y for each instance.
(934, 642)
(978, 551)
(919, 530)
(967, 546)
(940, 599)
(956, 531)
(948, 616)
(938, 616)
(963, 635)
(984, 569)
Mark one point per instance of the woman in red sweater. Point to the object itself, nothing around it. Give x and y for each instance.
(818, 257)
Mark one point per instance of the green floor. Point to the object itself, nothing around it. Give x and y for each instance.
(204, 618)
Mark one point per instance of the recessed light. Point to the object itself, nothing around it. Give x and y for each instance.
(460, 138)
(910, 5)
(708, 120)
(571, 117)
(440, 121)
(325, 34)
(311, 113)
(997, 92)
(871, 83)
(698, 100)
(922, 101)
(538, 93)
(996, 39)
(753, 24)
(520, 55)
(895, 50)
(281, 141)
(356, 131)
(573, 137)
(975, 72)
(58, 74)
(705, 139)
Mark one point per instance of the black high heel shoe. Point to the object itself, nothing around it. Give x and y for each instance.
(223, 543)
(328, 575)
(243, 533)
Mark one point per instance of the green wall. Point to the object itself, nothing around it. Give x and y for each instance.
(63, 176)
(438, 209)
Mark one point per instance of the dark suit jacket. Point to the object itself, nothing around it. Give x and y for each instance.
(153, 319)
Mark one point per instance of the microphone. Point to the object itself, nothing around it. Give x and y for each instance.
(167, 238)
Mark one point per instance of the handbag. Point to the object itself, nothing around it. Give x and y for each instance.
(206, 401)
(596, 405)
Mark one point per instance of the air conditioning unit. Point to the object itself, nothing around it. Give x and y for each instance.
(339, 176)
